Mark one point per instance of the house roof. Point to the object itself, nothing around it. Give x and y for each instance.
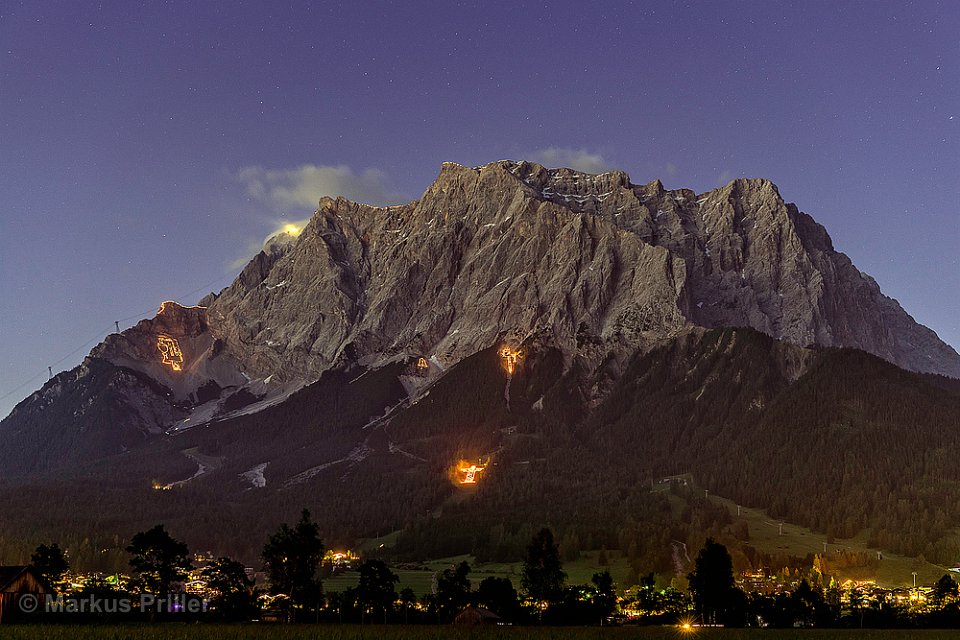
(476, 613)
(10, 573)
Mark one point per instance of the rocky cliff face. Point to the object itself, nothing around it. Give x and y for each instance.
(480, 256)
(175, 348)
(592, 265)
(513, 249)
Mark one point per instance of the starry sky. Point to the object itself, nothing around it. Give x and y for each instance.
(147, 149)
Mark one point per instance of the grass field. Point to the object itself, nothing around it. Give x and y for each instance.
(578, 572)
(372, 632)
(765, 536)
(894, 570)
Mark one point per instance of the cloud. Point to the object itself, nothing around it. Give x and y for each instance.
(672, 170)
(579, 159)
(286, 226)
(303, 186)
(253, 248)
(240, 263)
(725, 177)
(298, 190)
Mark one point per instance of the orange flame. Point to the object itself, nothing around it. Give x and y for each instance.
(170, 352)
(163, 306)
(469, 472)
(510, 359)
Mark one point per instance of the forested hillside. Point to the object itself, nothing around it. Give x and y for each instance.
(816, 437)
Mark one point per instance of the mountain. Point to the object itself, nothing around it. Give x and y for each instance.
(814, 436)
(513, 249)
(648, 333)
(505, 251)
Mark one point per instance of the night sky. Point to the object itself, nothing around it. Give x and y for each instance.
(145, 152)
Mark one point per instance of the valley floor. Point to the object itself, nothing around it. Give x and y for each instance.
(253, 631)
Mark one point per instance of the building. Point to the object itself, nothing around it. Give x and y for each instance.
(16, 582)
(476, 616)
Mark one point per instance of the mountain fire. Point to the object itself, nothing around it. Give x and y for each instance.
(510, 359)
(163, 306)
(170, 352)
(485, 330)
(469, 473)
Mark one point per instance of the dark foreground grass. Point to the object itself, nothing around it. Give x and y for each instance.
(373, 632)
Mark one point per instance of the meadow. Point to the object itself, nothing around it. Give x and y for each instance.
(174, 631)
(894, 570)
(421, 580)
(765, 535)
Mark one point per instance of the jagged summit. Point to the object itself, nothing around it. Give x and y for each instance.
(514, 247)
(564, 327)
(592, 264)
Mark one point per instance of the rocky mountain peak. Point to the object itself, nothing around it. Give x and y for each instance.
(591, 264)
(513, 247)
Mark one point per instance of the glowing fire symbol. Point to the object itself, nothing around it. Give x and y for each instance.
(170, 352)
(163, 306)
(510, 359)
(471, 473)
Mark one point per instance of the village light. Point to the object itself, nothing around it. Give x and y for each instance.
(685, 625)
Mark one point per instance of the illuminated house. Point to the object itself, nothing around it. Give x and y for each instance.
(340, 559)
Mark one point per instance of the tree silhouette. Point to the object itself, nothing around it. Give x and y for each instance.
(499, 596)
(158, 560)
(292, 557)
(376, 591)
(945, 588)
(606, 598)
(235, 599)
(543, 576)
(453, 590)
(408, 599)
(50, 562)
(711, 582)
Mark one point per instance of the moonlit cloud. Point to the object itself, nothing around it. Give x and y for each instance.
(298, 189)
(579, 159)
(725, 177)
(303, 186)
(253, 247)
(286, 226)
(241, 262)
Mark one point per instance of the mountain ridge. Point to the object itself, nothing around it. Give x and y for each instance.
(810, 435)
(735, 256)
(506, 253)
